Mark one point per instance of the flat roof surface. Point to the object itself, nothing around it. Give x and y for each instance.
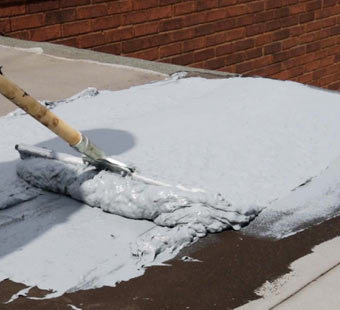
(233, 265)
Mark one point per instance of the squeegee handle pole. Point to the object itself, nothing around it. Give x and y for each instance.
(30, 105)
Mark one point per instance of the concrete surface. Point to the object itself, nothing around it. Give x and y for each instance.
(320, 294)
(316, 286)
(52, 78)
(75, 53)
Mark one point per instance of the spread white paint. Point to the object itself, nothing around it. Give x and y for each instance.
(251, 140)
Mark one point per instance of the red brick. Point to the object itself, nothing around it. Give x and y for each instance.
(306, 38)
(204, 30)
(328, 42)
(171, 49)
(145, 43)
(12, 10)
(296, 30)
(306, 17)
(60, 16)
(45, 33)
(42, 6)
(313, 47)
(91, 39)
(236, 10)
(313, 5)
(327, 3)
(334, 50)
(244, 20)
(293, 72)
(235, 58)
(230, 69)
(335, 30)
(326, 80)
(280, 76)
(290, 21)
(151, 54)
(22, 35)
(105, 22)
(193, 44)
(272, 48)
(68, 42)
(119, 34)
(282, 12)
(182, 34)
(226, 2)
(255, 29)
(73, 3)
(198, 64)
(99, 1)
(195, 19)
(329, 22)
(183, 60)
(4, 26)
(91, 11)
(171, 24)
(297, 9)
(142, 4)
(273, 25)
(245, 66)
(318, 73)
(215, 63)
(71, 29)
(297, 51)
(243, 44)
(225, 24)
(26, 22)
(281, 34)
(215, 15)
(280, 56)
(216, 39)
(146, 15)
(204, 54)
(326, 61)
(184, 8)
(334, 86)
(254, 53)
(313, 26)
(272, 4)
(254, 7)
(166, 2)
(120, 6)
(144, 29)
(235, 34)
(205, 5)
(266, 71)
(305, 78)
(263, 39)
(286, 44)
(264, 16)
(114, 48)
(224, 49)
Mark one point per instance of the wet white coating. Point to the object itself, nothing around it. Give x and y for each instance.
(190, 214)
(252, 140)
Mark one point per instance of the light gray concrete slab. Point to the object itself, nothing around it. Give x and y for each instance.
(313, 283)
(76, 53)
(52, 78)
(324, 293)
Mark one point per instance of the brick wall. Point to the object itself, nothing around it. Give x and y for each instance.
(285, 39)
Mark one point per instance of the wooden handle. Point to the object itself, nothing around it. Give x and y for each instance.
(38, 111)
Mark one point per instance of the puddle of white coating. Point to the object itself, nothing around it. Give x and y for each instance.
(252, 140)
